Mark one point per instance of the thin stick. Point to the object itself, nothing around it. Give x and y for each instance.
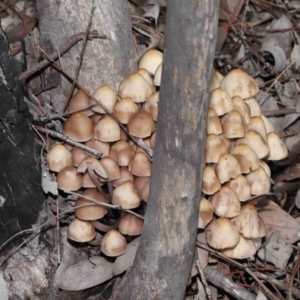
(203, 280)
(81, 57)
(62, 137)
(68, 45)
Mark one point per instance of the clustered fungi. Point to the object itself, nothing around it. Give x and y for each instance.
(239, 139)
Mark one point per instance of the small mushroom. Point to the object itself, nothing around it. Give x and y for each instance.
(81, 231)
(113, 243)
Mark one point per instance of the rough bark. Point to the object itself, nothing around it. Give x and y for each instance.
(164, 258)
(106, 61)
(21, 197)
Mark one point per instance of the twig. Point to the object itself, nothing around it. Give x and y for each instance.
(203, 280)
(241, 266)
(80, 59)
(139, 142)
(68, 45)
(64, 138)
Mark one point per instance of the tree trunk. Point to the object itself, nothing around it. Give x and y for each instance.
(164, 257)
(21, 196)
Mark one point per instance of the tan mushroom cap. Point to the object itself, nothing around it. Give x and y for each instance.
(268, 124)
(265, 166)
(213, 122)
(214, 147)
(259, 181)
(78, 155)
(93, 164)
(245, 248)
(216, 80)
(102, 147)
(80, 101)
(233, 125)
(122, 153)
(241, 187)
(240, 105)
(141, 124)
(131, 225)
(227, 168)
(142, 185)
(140, 165)
(111, 167)
(107, 130)
(227, 142)
(81, 231)
(113, 243)
(255, 110)
(210, 181)
(278, 149)
(220, 101)
(135, 87)
(58, 158)
(150, 60)
(68, 179)
(91, 212)
(105, 96)
(221, 234)
(249, 223)
(246, 157)
(146, 75)
(125, 109)
(126, 195)
(151, 105)
(256, 142)
(258, 125)
(206, 213)
(87, 182)
(225, 203)
(125, 175)
(79, 127)
(239, 83)
(157, 75)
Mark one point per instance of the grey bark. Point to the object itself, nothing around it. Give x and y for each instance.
(106, 61)
(164, 257)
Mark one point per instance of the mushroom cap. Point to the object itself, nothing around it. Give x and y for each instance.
(206, 213)
(255, 110)
(256, 142)
(122, 153)
(210, 181)
(215, 80)
(125, 109)
(268, 124)
(246, 157)
(59, 157)
(239, 83)
(141, 124)
(79, 127)
(142, 185)
(214, 147)
(102, 147)
(227, 168)
(157, 75)
(125, 175)
(245, 248)
(135, 87)
(113, 243)
(258, 125)
(249, 223)
(146, 75)
(111, 167)
(150, 60)
(266, 167)
(278, 149)
(91, 212)
(107, 130)
(87, 181)
(221, 234)
(240, 105)
(213, 122)
(78, 155)
(151, 105)
(68, 179)
(126, 195)
(241, 187)
(131, 225)
(81, 231)
(94, 164)
(220, 101)
(225, 203)
(259, 181)
(80, 101)
(233, 125)
(105, 96)
(140, 165)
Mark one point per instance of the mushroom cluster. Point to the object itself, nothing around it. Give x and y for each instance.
(239, 140)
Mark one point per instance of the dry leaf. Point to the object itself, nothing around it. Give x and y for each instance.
(290, 173)
(278, 221)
